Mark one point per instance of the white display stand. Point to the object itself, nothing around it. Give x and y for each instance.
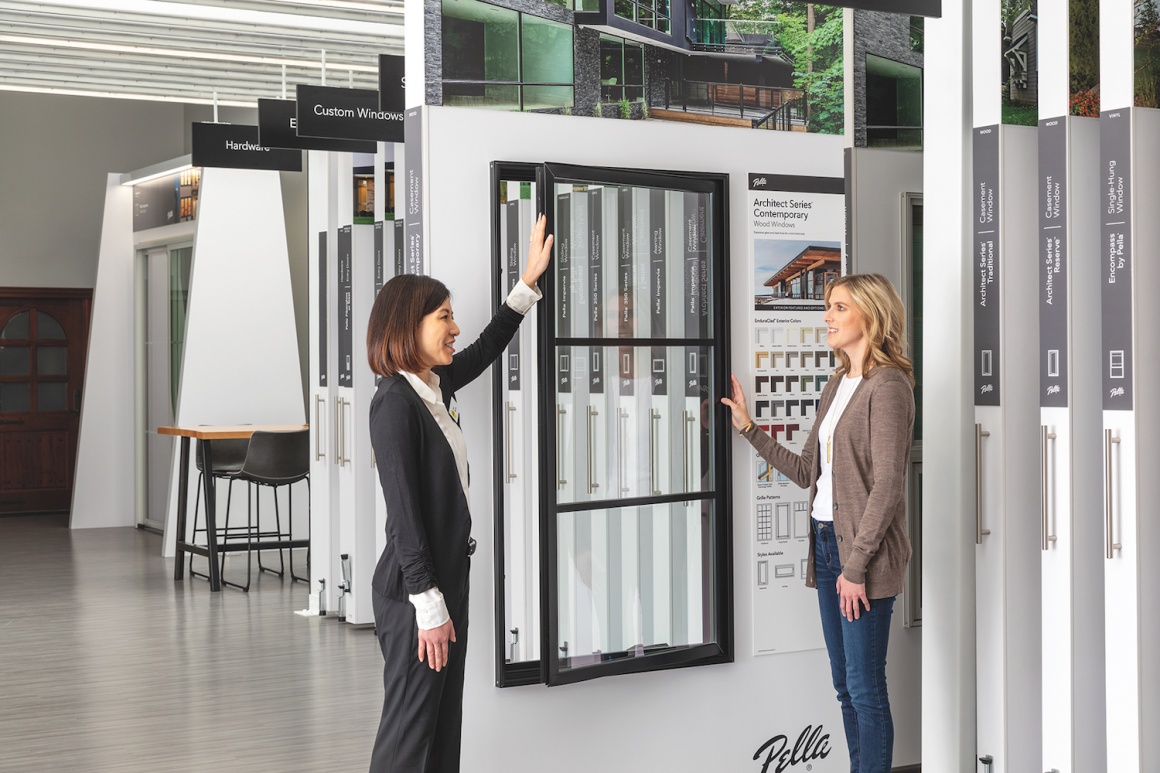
(1070, 441)
(1131, 437)
(348, 518)
(1003, 270)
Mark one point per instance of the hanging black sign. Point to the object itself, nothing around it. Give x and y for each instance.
(236, 146)
(1116, 256)
(1053, 269)
(985, 272)
(278, 128)
(392, 83)
(325, 111)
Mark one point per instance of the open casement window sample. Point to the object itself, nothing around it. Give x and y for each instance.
(613, 507)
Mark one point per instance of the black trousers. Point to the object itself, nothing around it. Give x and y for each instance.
(422, 724)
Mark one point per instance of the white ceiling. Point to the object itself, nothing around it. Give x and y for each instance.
(186, 51)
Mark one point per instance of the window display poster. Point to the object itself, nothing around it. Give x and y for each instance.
(797, 229)
(346, 321)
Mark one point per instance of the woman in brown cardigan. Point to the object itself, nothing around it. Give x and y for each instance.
(854, 464)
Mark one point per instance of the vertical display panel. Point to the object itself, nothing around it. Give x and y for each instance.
(345, 321)
(322, 310)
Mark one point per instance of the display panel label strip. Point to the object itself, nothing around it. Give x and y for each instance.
(1053, 268)
(1116, 257)
(985, 265)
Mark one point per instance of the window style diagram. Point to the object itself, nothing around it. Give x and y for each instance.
(611, 466)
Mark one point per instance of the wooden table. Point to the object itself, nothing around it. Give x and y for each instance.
(207, 434)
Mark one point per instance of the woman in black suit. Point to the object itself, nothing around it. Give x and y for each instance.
(420, 586)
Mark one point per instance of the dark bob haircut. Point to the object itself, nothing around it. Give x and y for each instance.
(393, 329)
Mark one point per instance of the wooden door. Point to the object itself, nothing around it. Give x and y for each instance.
(43, 342)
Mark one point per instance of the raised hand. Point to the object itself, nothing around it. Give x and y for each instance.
(539, 252)
(737, 405)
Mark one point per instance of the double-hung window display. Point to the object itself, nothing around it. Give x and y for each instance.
(613, 507)
(502, 59)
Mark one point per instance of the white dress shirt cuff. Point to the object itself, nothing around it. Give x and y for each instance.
(522, 297)
(430, 609)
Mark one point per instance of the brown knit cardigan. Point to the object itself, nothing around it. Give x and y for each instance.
(871, 452)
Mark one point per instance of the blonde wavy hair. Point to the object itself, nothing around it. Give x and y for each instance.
(884, 322)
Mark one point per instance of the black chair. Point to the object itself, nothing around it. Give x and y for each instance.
(228, 457)
(275, 459)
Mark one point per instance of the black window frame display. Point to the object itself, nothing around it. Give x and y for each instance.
(691, 620)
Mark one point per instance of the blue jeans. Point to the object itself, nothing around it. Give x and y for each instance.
(857, 661)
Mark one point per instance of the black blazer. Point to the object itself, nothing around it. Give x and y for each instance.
(428, 520)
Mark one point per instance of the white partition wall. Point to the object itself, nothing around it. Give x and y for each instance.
(104, 487)
(1069, 398)
(1129, 195)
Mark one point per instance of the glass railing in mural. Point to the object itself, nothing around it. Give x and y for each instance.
(735, 34)
(765, 107)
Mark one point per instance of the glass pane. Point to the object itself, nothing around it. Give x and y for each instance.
(16, 328)
(586, 6)
(180, 265)
(51, 360)
(633, 65)
(648, 272)
(480, 42)
(481, 95)
(544, 97)
(47, 328)
(13, 360)
(633, 581)
(52, 396)
(15, 397)
(641, 430)
(520, 451)
(547, 51)
(626, 9)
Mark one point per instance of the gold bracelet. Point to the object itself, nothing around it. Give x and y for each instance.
(746, 428)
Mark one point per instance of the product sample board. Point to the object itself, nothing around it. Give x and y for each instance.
(629, 501)
(797, 232)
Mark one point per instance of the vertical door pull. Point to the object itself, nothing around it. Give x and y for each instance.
(592, 414)
(980, 532)
(621, 416)
(337, 432)
(686, 449)
(1108, 501)
(318, 452)
(653, 417)
(1048, 537)
(508, 410)
(560, 481)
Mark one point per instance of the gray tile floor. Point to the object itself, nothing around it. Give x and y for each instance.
(107, 664)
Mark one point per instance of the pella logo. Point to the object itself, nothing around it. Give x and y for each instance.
(812, 744)
(760, 182)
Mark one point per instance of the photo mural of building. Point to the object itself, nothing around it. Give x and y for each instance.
(759, 64)
(1020, 71)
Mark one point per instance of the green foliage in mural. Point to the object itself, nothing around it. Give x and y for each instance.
(1084, 37)
(810, 36)
(1147, 54)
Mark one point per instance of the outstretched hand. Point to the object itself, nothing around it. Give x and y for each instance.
(539, 252)
(737, 405)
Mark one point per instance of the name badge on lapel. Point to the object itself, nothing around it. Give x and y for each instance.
(453, 410)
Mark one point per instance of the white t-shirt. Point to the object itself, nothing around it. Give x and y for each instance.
(823, 509)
